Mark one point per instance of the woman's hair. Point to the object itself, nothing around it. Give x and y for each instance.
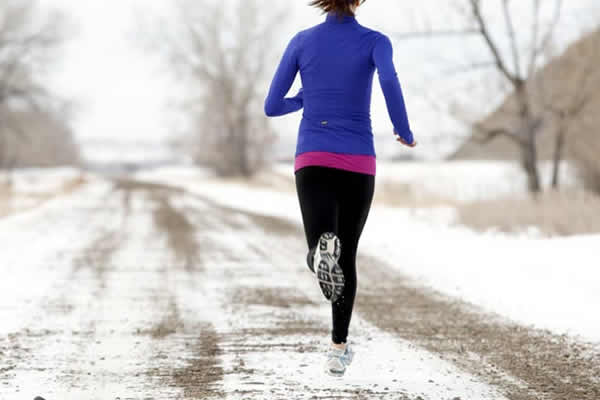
(339, 7)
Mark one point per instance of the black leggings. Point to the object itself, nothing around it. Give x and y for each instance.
(338, 201)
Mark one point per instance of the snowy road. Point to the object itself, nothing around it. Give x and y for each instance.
(131, 290)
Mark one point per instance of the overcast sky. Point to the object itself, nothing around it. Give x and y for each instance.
(125, 94)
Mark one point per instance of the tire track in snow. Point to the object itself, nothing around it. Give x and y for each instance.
(140, 347)
(523, 362)
(66, 361)
(231, 303)
(260, 326)
(91, 342)
(46, 241)
(273, 336)
(85, 291)
(222, 305)
(184, 346)
(97, 256)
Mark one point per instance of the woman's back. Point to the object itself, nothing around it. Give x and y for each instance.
(336, 67)
(336, 60)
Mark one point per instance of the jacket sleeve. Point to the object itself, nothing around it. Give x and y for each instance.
(276, 103)
(388, 79)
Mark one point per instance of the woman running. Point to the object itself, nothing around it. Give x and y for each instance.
(335, 156)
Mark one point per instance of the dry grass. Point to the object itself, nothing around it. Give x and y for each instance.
(396, 194)
(4, 200)
(553, 213)
(565, 213)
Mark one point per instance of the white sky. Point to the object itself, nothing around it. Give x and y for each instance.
(124, 94)
(119, 91)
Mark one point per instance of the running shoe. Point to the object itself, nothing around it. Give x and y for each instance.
(329, 274)
(338, 360)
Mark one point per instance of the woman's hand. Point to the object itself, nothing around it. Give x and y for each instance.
(404, 142)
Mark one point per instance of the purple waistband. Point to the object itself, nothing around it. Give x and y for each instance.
(364, 164)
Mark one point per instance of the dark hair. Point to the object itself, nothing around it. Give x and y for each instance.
(339, 7)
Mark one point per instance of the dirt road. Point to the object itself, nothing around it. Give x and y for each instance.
(131, 290)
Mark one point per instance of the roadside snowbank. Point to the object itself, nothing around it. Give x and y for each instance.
(24, 189)
(40, 180)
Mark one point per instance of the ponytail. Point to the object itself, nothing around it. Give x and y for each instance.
(339, 7)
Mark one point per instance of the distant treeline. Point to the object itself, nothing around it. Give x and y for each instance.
(33, 129)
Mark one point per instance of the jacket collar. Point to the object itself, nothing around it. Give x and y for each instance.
(332, 18)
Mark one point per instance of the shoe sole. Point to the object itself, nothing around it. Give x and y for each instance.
(339, 374)
(329, 273)
(334, 373)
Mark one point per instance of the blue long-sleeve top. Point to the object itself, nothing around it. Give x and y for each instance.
(337, 60)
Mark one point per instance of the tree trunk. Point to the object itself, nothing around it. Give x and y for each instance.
(529, 144)
(559, 145)
(245, 169)
(530, 165)
(244, 151)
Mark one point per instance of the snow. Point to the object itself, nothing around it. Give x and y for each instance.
(545, 283)
(549, 283)
(40, 180)
(461, 181)
(32, 186)
(177, 173)
(29, 242)
(540, 282)
(89, 345)
(128, 152)
(387, 365)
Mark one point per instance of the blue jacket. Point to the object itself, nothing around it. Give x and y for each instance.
(337, 60)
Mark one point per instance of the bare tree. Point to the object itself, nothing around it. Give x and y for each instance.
(517, 66)
(566, 89)
(223, 47)
(517, 52)
(549, 97)
(576, 109)
(28, 42)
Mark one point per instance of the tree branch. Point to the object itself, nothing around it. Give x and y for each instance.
(512, 37)
(547, 38)
(476, 11)
(534, 39)
(490, 134)
(434, 33)
(469, 67)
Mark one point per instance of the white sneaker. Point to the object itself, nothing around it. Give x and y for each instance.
(328, 272)
(338, 360)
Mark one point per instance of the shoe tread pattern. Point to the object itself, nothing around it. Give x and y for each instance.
(329, 273)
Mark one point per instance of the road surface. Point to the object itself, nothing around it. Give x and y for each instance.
(133, 290)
